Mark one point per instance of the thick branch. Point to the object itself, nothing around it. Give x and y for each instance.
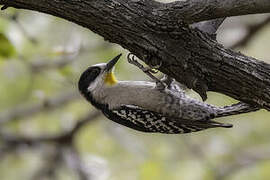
(155, 33)
(201, 10)
(190, 11)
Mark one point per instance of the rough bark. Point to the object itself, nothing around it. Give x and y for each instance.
(157, 32)
(201, 10)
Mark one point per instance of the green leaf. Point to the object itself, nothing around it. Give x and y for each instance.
(7, 50)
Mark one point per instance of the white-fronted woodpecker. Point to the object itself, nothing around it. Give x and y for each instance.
(142, 106)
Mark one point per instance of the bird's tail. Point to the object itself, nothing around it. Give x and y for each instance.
(234, 109)
(194, 126)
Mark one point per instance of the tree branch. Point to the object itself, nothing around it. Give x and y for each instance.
(158, 33)
(200, 10)
(190, 11)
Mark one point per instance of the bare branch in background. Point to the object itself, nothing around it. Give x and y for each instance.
(64, 147)
(67, 137)
(252, 31)
(63, 138)
(74, 162)
(52, 161)
(14, 18)
(23, 111)
(62, 156)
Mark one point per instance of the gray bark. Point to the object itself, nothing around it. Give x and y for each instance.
(157, 32)
(201, 10)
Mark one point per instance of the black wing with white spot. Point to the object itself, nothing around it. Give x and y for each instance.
(149, 121)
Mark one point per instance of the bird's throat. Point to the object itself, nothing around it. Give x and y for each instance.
(110, 79)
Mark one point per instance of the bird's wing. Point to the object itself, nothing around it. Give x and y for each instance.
(179, 105)
(149, 121)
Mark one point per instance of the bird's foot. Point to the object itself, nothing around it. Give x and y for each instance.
(148, 71)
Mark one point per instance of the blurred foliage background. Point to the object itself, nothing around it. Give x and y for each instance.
(48, 131)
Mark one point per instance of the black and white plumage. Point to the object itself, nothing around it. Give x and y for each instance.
(141, 106)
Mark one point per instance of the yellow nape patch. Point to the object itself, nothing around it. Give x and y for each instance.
(110, 79)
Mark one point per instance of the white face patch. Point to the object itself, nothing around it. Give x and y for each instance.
(99, 79)
(93, 85)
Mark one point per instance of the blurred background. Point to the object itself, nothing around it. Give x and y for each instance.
(48, 131)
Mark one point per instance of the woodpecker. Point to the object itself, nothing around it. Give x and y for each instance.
(144, 106)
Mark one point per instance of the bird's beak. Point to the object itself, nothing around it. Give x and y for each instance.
(112, 62)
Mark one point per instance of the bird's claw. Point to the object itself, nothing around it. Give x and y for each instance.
(147, 70)
(131, 59)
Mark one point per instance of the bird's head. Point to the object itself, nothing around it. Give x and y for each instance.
(98, 75)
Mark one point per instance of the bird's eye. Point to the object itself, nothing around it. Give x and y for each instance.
(94, 72)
